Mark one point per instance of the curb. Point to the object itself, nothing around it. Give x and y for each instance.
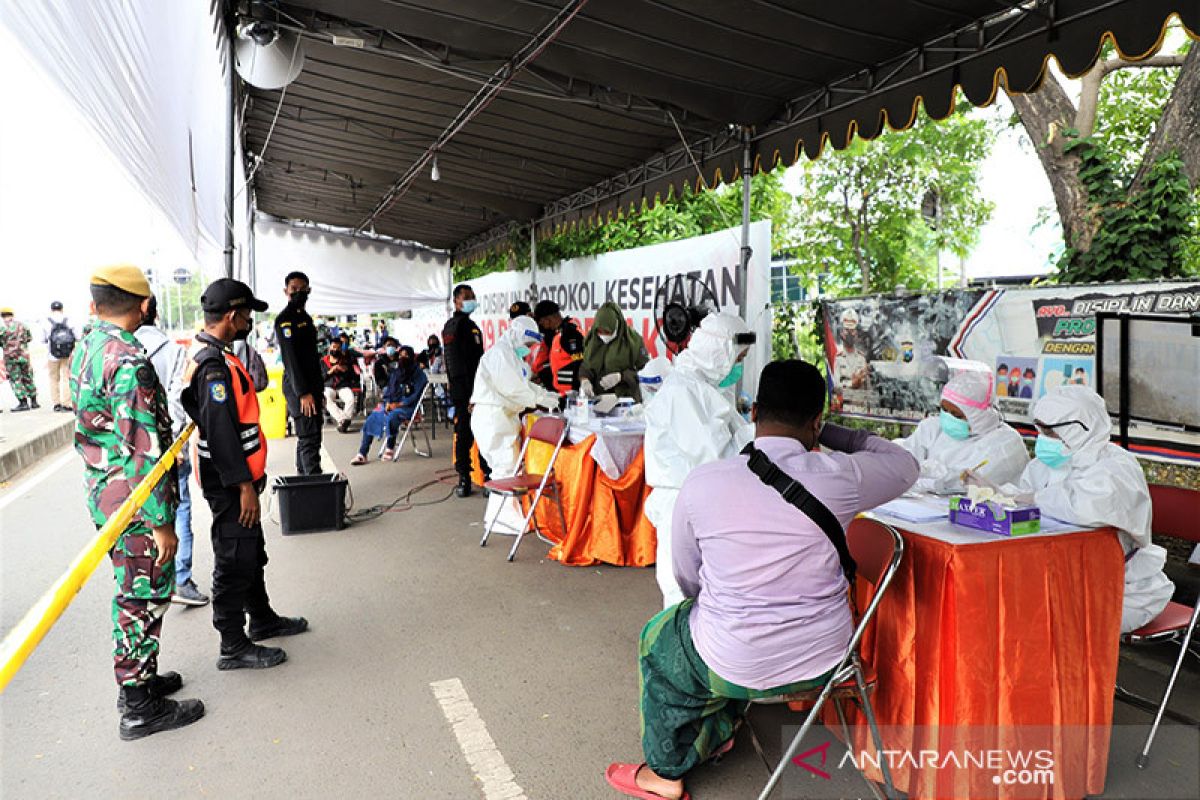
(29, 453)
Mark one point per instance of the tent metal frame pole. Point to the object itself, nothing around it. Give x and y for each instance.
(230, 134)
(533, 262)
(747, 250)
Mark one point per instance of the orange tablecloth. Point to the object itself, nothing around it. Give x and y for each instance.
(1017, 638)
(604, 516)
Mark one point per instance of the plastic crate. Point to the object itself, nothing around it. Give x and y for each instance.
(311, 503)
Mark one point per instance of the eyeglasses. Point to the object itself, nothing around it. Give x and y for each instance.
(1044, 427)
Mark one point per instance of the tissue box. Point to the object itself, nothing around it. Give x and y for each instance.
(995, 518)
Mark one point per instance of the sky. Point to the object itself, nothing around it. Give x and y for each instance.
(67, 206)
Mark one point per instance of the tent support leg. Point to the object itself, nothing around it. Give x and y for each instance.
(747, 251)
(230, 133)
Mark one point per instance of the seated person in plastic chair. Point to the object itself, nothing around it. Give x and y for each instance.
(343, 385)
(398, 405)
(766, 609)
(1079, 476)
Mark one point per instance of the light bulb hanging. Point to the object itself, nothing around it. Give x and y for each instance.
(435, 174)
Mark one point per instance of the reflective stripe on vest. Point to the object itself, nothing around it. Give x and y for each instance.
(561, 363)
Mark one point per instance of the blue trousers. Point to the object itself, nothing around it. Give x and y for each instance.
(183, 521)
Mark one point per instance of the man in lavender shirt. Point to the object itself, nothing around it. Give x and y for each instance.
(767, 608)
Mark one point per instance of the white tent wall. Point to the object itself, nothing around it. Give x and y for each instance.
(147, 76)
(349, 275)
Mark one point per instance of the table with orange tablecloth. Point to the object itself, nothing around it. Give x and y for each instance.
(1002, 643)
(605, 523)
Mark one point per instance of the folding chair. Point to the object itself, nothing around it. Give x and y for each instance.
(551, 430)
(877, 549)
(414, 423)
(1174, 515)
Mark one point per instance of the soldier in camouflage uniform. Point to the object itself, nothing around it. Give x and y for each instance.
(14, 339)
(122, 428)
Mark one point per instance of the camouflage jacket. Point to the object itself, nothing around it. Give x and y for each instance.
(122, 424)
(14, 338)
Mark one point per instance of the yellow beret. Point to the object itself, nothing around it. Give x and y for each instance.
(6, 310)
(122, 276)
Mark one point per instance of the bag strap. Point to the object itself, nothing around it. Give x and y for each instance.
(794, 492)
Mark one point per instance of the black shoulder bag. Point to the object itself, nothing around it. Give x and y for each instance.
(794, 492)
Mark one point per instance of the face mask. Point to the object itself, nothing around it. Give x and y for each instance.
(391, 351)
(606, 339)
(469, 306)
(954, 427)
(523, 351)
(298, 299)
(733, 377)
(1050, 452)
(238, 333)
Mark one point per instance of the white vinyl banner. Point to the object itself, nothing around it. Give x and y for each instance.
(348, 275)
(632, 279)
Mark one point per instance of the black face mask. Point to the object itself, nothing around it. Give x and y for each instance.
(298, 299)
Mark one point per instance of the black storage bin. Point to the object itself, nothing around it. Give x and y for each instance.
(310, 503)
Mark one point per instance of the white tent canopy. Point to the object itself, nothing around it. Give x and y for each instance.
(349, 275)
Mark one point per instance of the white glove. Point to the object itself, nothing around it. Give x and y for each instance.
(549, 401)
(585, 388)
(610, 380)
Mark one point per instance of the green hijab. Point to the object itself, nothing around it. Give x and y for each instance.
(621, 353)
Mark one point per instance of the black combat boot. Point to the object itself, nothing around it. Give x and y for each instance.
(22, 406)
(464, 486)
(161, 685)
(147, 714)
(252, 656)
(33, 403)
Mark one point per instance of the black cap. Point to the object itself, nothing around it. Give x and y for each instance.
(518, 309)
(56, 306)
(545, 309)
(227, 294)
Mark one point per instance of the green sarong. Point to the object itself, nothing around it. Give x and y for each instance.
(688, 711)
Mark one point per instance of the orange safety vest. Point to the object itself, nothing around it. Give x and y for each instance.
(254, 444)
(560, 360)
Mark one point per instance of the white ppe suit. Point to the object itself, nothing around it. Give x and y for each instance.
(689, 422)
(944, 458)
(503, 390)
(1101, 485)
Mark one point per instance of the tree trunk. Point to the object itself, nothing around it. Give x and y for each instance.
(1179, 128)
(1045, 114)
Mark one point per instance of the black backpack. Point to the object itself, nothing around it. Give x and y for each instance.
(62, 339)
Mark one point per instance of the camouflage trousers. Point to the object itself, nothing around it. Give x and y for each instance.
(143, 594)
(20, 375)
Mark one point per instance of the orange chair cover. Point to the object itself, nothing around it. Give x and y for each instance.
(1016, 640)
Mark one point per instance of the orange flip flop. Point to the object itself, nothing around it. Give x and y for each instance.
(623, 778)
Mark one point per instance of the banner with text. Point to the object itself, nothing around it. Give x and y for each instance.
(882, 349)
(632, 279)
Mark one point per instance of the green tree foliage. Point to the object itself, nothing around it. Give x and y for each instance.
(677, 217)
(861, 208)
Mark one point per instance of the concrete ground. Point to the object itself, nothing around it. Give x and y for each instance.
(29, 436)
(544, 654)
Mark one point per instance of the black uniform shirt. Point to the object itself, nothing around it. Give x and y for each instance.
(462, 343)
(297, 338)
(209, 400)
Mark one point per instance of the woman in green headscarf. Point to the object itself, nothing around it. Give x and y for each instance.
(612, 355)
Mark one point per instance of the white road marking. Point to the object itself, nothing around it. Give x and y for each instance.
(476, 743)
(22, 488)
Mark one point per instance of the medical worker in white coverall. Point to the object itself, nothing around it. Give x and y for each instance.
(691, 421)
(503, 390)
(1079, 476)
(967, 433)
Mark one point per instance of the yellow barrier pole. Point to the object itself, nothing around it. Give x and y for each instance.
(37, 622)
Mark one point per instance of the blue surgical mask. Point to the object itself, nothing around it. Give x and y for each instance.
(523, 351)
(733, 377)
(469, 306)
(391, 351)
(1050, 452)
(954, 427)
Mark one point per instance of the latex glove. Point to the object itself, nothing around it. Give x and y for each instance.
(971, 478)
(585, 388)
(610, 380)
(549, 401)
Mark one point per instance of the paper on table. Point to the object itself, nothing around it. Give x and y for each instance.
(916, 509)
